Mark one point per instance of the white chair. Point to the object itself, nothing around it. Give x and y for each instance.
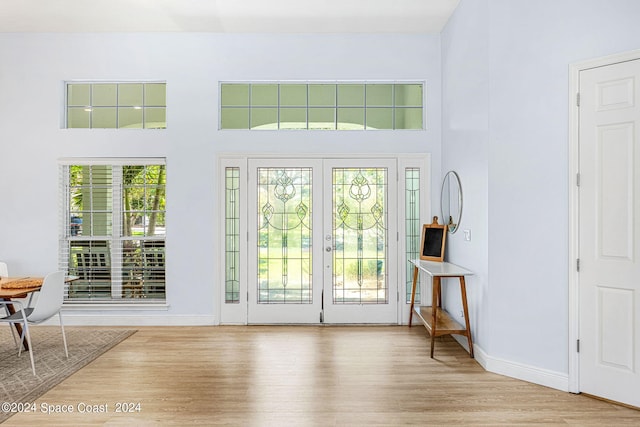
(48, 304)
(4, 272)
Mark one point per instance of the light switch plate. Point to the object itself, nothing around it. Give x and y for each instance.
(467, 235)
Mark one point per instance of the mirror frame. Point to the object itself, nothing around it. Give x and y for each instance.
(451, 178)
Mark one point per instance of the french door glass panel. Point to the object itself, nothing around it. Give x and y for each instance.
(284, 235)
(359, 200)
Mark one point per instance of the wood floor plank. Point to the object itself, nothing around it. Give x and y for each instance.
(306, 376)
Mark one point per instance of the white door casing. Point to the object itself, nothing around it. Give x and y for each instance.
(406, 204)
(605, 289)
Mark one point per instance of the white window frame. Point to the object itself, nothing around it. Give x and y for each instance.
(115, 238)
(65, 118)
(335, 107)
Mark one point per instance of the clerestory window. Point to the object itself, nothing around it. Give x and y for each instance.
(107, 105)
(322, 106)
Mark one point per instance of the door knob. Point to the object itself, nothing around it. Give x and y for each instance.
(328, 249)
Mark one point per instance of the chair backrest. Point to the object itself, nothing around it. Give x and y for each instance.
(4, 270)
(154, 268)
(93, 264)
(50, 298)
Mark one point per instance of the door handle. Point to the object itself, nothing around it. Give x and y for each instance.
(328, 249)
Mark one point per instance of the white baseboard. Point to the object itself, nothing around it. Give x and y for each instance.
(544, 377)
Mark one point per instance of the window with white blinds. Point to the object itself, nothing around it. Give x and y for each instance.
(113, 229)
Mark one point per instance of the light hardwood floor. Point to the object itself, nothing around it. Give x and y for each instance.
(307, 376)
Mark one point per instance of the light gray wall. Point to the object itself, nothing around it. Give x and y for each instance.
(465, 137)
(32, 71)
(523, 52)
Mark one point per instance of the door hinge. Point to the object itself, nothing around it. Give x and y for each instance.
(578, 264)
(578, 346)
(578, 99)
(578, 179)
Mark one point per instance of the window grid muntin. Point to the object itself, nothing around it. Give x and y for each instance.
(150, 181)
(146, 109)
(395, 108)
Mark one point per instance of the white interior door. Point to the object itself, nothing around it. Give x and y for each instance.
(322, 241)
(609, 232)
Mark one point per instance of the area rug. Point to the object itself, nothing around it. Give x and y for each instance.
(85, 344)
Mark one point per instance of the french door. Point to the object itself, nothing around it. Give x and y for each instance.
(284, 199)
(322, 241)
(360, 241)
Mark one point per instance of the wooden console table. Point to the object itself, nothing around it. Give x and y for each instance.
(437, 321)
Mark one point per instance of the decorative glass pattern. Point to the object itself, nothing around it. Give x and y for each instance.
(232, 235)
(321, 106)
(412, 226)
(360, 236)
(284, 236)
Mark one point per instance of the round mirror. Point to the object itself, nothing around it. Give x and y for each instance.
(451, 201)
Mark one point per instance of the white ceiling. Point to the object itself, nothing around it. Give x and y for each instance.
(226, 16)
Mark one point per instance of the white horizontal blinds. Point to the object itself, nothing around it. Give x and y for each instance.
(116, 105)
(64, 224)
(322, 105)
(115, 210)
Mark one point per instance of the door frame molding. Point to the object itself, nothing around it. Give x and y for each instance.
(574, 212)
(237, 313)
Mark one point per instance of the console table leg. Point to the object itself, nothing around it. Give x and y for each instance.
(435, 299)
(463, 291)
(413, 293)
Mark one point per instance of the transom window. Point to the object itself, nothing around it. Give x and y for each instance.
(132, 105)
(321, 106)
(113, 230)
